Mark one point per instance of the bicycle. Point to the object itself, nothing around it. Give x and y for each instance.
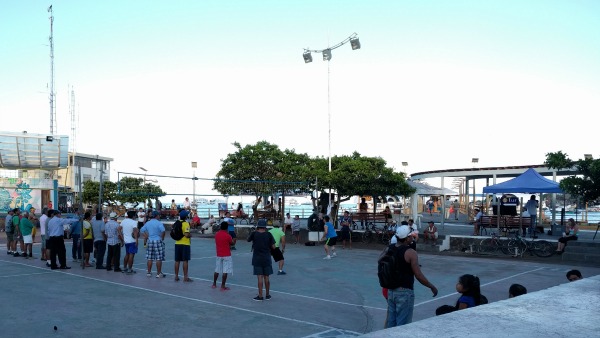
(493, 245)
(520, 245)
(372, 232)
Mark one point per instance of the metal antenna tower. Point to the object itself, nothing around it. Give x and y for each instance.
(53, 126)
(74, 120)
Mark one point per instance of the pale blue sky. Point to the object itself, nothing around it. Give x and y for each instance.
(435, 83)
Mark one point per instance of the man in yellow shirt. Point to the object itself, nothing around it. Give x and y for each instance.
(182, 248)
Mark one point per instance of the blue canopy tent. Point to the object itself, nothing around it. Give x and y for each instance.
(528, 182)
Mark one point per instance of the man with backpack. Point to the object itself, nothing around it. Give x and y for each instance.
(397, 269)
(182, 245)
(10, 232)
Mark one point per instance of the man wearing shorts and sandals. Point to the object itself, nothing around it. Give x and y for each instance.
(224, 263)
(330, 238)
(262, 244)
(182, 248)
(153, 232)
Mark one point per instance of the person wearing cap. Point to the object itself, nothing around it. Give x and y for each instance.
(153, 232)
(182, 248)
(98, 228)
(230, 228)
(431, 232)
(262, 244)
(401, 300)
(114, 240)
(56, 240)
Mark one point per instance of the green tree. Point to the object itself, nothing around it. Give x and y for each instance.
(128, 190)
(585, 185)
(263, 168)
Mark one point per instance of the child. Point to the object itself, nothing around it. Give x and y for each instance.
(516, 290)
(468, 286)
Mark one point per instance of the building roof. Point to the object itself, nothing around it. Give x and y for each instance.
(33, 151)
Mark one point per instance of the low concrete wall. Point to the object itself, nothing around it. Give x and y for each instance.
(568, 310)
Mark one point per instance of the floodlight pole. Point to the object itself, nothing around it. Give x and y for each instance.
(355, 43)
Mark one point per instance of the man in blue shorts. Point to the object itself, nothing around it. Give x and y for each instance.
(154, 236)
(130, 237)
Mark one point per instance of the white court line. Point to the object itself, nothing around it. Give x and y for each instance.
(486, 284)
(182, 297)
(26, 274)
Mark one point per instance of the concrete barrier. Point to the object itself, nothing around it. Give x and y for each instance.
(567, 310)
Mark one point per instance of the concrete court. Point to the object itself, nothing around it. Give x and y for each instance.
(317, 298)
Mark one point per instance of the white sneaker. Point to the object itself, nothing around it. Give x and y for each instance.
(327, 257)
(334, 255)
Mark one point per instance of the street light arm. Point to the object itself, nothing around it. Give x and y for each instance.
(332, 47)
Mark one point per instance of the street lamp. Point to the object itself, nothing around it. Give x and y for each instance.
(588, 156)
(194, 179)
(355, 44)
(144, 184)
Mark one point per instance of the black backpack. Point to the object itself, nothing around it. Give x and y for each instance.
(387, 269)
(177, 231)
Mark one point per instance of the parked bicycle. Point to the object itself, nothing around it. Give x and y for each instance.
(493, 245)
(518, 245)
(381, 235)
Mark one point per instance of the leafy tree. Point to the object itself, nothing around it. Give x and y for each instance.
(263, 168)
(585, 185)
(128, 190)
(91, 190)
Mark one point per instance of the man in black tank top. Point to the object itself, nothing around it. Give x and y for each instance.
(401, 301)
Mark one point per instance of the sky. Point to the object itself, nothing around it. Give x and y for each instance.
(436, 83)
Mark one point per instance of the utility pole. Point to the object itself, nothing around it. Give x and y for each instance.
(52, 95)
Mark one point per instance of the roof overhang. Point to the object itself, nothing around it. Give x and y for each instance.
(33, 151)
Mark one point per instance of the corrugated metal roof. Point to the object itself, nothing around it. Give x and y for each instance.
(33, 151)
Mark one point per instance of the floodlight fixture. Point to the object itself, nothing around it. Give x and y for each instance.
(475, 160)
(404, 164)
(307, 57)
(355, 43)
(588, 156)
(143, 169)
(327, 54)
(49, 138)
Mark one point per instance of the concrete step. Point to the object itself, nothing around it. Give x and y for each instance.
(582, 249)
(428, 247)
(581, 257)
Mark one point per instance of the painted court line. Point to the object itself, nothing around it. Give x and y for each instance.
(182, 297)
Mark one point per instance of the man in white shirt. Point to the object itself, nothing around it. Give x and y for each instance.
(477, 222)
(130, 237)
(531, 208)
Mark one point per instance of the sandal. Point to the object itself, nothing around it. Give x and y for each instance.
(188, 280)
(177, 279)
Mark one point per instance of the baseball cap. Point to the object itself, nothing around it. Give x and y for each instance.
(113, 215)
(402, 231)
(430, 222)
(261, 223)
(183, 214)
(155, 213)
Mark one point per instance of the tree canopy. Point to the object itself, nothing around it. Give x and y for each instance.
(264, 168)
(586, 185)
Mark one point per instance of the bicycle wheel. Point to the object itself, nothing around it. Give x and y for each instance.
(543, 248)
(514, 248)
(485, 246)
